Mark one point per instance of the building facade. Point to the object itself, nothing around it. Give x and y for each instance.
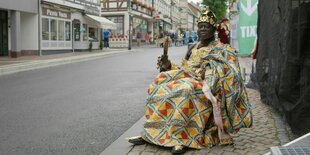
(194, 13)
(70, 25)
(175, 15)
(19, 26)
(153, 16)
(136, 14)
(38, 27)
(189, 13)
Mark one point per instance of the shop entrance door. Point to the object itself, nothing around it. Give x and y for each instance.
(4, 44)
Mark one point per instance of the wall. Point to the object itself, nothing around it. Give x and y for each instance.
(85, 44)
(29, 31)
(20, 5)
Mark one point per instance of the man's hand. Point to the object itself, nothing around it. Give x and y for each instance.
(162, 64)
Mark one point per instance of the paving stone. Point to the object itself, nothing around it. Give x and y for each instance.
(147, 153)
(139, 147)
(240, 147)
(152, 148)
(163, 152)
(134, 153)
(253, 153)
(240, 151)
(217, 150)
(228, 148)
(264, 152)
(189, 152)
(211, 154)
(259, 148)
(275, 143)
(202, 151)
(229, 153)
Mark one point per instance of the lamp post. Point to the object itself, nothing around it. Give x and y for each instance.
(130, 33)
(130, 26)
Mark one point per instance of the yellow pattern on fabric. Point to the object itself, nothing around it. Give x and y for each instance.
(178, 112)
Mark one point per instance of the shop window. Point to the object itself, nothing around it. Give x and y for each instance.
(93, 34)
(45, 29)
(61, 30)
(139, 25)
(77, 32)
(68, 31)
(84, 30)
(119, 21)
(53, 29)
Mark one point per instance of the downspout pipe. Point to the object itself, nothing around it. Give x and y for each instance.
(39, 27)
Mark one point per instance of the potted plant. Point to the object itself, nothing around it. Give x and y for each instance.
(101, 45)
(90, 47)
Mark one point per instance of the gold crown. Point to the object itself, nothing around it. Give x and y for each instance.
(207, 16)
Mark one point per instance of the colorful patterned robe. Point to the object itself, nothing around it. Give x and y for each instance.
(178, 112)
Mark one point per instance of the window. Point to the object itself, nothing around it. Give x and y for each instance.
(139, 25)
(119, 21)
(84, 30)
(61, 30)
(53, 29)
(68, 31)
(77, 32)
(45, 29)
(93, 34)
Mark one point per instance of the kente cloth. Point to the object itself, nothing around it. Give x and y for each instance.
(179, 112)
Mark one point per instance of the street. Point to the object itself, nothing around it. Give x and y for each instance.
(77, 108)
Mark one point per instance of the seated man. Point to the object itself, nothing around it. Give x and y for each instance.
(201, 103)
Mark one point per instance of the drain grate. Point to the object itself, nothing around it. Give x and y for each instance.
(290, 150)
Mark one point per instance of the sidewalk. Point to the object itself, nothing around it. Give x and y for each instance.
(12, 65)
(268, 130)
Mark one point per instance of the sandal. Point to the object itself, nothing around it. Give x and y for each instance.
(179, 149)
(138, 140)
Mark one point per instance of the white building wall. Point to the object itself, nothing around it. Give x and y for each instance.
(85, 44)
(190, 22)
(20, 5)
(29, 31)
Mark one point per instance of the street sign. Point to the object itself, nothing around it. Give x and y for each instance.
(247, 26)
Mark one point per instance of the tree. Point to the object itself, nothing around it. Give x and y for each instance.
(219, 7)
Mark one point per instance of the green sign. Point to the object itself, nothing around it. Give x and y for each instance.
(247, 26)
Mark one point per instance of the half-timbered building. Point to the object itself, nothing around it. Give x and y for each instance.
(137, 14)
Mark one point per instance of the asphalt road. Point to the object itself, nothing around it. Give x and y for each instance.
(77, 108)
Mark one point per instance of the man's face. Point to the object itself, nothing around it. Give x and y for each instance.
(205, 30)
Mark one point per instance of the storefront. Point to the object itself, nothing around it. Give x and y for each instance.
(56, 29)
(161, 26)
(71, 29)
(119, 21)
(86, 31)
(139, 25)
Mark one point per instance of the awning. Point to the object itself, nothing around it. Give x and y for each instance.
(103, 22)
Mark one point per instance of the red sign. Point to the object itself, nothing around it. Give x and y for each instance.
(157, 17)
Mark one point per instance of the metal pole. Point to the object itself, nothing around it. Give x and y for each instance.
(129, 18)
(130, 36)
(73, 35)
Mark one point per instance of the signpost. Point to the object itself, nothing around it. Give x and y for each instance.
(247, 26)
